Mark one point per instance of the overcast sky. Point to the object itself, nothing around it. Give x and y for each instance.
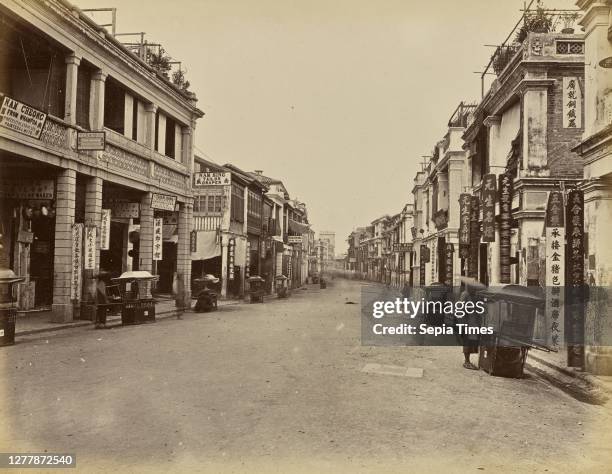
(337, 98)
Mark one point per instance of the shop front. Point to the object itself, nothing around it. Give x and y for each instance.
(27, 228)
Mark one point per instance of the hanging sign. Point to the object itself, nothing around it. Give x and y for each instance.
(163, 202)
(158, 238)
(230, 260)
(555, 269)
(22, 118)
(572, 103)
(474, 237)
(488, 195)
(90, 247)
(124, 209)
(91, 141)
(34, 189)
(76, 262)
(449, 250)
(247, 264)
(193, 241)
(295, 239)
(105, 229)
(606, 62)
(505, 226)
(575, 294)
(425, 253)
(465, 201)
(211, 179)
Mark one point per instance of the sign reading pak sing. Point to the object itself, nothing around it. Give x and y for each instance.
(211, 179)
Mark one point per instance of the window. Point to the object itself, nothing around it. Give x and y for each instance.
(170, 137)
(208, 204)
(237, 209)
(82, 99)
(114, 106)
(135, 119)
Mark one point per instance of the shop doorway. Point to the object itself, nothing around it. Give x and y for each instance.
(166, 268)
(483, 260)
(41, 258)
(112, 260)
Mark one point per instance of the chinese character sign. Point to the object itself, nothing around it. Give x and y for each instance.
(105, 229)
(488, 196)
(448, 265)
(231, 247)
(572, 103)
(76, 262)
(247, 265)
(505, 225)
(555, 269)
(575, 290)
(465, 201)
(90, 247)
(474, 237)
(158, 238)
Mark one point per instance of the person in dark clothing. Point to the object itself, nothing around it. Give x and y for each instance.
(470, 341)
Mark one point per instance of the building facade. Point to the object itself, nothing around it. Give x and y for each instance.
(77, 203)
(596, 153)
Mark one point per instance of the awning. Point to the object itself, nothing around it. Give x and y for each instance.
(297, 227)
(207, 245)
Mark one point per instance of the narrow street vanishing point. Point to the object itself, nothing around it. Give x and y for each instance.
(284, 386)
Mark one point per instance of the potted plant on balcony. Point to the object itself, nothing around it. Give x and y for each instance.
(538, 22)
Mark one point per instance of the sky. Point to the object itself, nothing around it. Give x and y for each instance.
(339, 99)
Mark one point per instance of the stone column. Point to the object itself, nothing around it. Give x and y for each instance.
(497, 163)
(62, 308)
(187, 148)
(224, 242)
(146, 237)
(183, 254)
(455, 182)
(150, 111)
(534, 90)
(72, 71)
(96, 100)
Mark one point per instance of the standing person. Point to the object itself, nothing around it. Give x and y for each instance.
(179, 294)
(470, 341)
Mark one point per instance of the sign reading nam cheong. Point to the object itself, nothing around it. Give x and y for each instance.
(22, 118)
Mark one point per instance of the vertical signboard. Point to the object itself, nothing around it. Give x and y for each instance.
(465, 201)
(555, 268)
(474, 237)
(231, 247)
(448, 256)
(193, 241)
(158, 233)
(505, 226)
(105, 229)
(247, 264)
(575, 296)
(77, 262)
(423, 260)
(572, 103)
(90, 247)
(488, 196)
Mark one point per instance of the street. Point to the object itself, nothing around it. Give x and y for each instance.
(279, 386)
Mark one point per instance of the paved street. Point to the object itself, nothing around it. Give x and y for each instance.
(279, 386)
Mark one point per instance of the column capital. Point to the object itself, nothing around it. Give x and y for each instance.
(186, 130)
(99, 75)
(150, 108)
(72, 58)
(492, 120)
